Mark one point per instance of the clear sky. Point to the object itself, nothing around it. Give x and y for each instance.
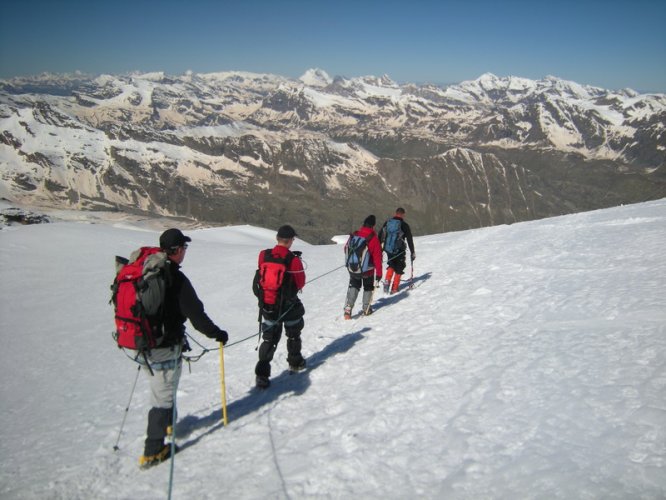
(606, 43)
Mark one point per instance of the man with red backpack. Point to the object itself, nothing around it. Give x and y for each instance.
(279, 278)
(165, 361)
(363, 258)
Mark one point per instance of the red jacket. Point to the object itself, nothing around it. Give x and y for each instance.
(295, 268)
(375, 249)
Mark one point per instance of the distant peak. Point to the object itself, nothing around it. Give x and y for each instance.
(316, 77)
(387, 81)
(488, 76)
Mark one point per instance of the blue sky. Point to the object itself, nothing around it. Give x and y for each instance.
(606, 43)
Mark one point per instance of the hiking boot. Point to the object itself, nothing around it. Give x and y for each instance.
(297, 367)
(367, 311)
(146, 462)
(262, 382)
(347, 312)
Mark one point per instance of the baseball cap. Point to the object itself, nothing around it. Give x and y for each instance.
(172, 238)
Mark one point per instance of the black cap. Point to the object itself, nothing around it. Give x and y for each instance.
(172, 238)
(370, 221)
(286, 232)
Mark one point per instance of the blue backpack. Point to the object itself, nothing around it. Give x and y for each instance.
(394, 240)
(357, 258)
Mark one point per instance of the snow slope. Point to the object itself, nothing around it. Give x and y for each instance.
(529, 361)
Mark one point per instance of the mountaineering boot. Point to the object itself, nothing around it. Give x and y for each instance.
(263, 372)
(396, 283)
(294, 357)
(159, 420)
(348, 312)
(298, 365)
(145, 462)
(262, 382)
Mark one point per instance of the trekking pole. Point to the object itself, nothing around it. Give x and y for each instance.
(223, 386)
(122, 425)
(411, 276)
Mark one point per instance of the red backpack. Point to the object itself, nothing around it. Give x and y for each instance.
(138, 295)
(270, 277)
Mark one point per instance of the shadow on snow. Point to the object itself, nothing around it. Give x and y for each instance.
(403, 292)
(286, 383)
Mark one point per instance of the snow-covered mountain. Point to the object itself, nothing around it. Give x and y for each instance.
(528, 362)
(230, 147)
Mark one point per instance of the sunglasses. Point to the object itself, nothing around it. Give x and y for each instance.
(173, 250)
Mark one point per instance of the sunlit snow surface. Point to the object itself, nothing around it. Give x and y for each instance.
(528, 361)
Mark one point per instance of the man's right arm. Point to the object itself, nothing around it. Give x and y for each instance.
(297, 272)
(193, 309)
(408, 236)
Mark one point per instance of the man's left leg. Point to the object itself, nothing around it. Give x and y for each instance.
(163, 384)
(272, 331)
(293, 325)
(399, 265)
(368, 290)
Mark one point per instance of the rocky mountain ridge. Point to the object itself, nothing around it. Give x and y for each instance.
(322, 152)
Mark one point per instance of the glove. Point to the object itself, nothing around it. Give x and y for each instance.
(186, 345)
(378, 279)
(297, 253)
(413, 256)
(221, 336)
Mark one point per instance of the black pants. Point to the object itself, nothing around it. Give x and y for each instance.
(368, 282)
(291, 317)
(159, 419)
(397, 262)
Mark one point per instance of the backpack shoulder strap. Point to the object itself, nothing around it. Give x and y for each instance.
(288, 258)
(267, 255)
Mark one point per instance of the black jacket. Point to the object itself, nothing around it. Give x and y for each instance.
(180, 304)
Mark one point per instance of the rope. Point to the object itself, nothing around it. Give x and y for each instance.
(173, 434)
(389, 259)
(325, 274)
(205, 350)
